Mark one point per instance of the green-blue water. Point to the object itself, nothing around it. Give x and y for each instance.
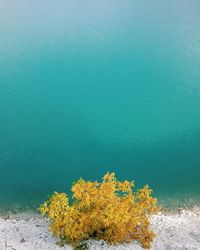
(99, 85)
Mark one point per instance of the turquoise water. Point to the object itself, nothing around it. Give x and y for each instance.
(93, 86)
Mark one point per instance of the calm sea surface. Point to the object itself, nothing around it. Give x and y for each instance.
(99, 85)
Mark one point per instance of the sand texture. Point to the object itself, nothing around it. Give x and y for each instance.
(26, 231)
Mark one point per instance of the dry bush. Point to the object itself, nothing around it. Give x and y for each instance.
(108, 210)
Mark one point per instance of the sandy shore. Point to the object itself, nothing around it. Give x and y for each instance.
(26, 231)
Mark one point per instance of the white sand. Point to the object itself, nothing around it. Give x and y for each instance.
(30, 232)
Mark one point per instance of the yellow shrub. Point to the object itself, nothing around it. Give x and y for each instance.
(107, 210)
